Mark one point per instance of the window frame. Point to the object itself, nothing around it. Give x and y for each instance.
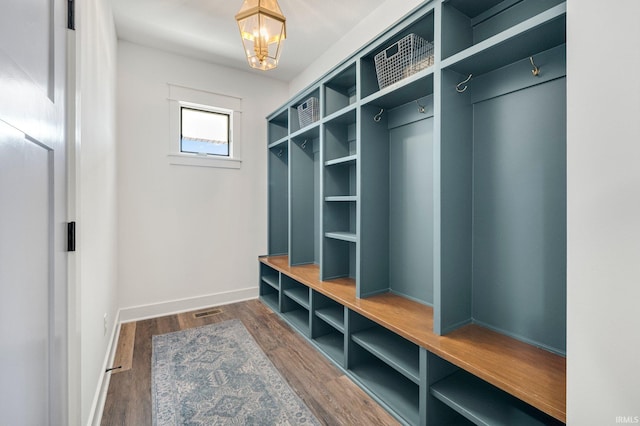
(226, 113)
(184, 97)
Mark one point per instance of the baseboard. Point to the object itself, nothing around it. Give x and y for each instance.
(137, 313)
(97, 407)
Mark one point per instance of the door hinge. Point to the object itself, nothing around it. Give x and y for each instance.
(71, 236)
(71, 14)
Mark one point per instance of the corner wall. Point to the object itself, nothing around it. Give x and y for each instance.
(603, 213)
(187, 235)
(97, 200)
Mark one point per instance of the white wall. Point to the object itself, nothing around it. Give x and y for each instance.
(603, 209)
(97, 215)
(187, 232)
(381, 18)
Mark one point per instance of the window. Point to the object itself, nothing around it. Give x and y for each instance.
(204, 128)
(204, 132)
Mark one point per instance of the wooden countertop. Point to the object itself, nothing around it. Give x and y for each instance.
(531, 374)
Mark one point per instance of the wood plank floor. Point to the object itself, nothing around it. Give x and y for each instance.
(331, 396)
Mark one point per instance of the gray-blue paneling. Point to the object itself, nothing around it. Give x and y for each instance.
(411, 210)
(519, 239)
(317, 205)
(278, 200)
(454, 252)
(303, 185)
(373, 226)
(513, 15)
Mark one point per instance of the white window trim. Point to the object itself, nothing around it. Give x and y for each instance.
(180, 96)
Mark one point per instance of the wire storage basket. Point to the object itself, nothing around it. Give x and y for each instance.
(403, 58)
(309, 112)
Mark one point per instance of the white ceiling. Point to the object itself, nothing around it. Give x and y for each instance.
(207, 30)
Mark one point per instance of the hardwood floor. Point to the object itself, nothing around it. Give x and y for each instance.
(330, 395)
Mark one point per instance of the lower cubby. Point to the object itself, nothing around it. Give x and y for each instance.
(295, 303)
(389, 387)
(270, 287)
(332, 345)
(385, 345)
(327, 327)
(484, 404)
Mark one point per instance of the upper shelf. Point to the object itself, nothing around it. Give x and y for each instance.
(537, 34)
(406, 90)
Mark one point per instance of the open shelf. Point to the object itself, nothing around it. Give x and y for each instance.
(299, 294)
(422, 27)
(484, 404)
(298, 318)
(271, 280)
(332, 344)
(340, 136)
(278, 127)
(295, 124)
(339, 258)
(478, 24)
(349, 159)
(271, 300)
(537, 34)
(395, 351)
(332, 315)
(394, 389)
(343, 236)
(406, 90)
(279, 143)
(343, 198)
(340, 90)
(270, 276)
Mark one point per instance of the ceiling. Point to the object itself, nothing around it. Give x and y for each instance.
(207, 30)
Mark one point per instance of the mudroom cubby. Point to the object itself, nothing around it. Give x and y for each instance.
(279, 198)
(304, 172)
(386, 364)
(476, 24)
(270, 287)
(279, 127)
(503, 198)
(340, 90)
(305, 111)
(396, 230)
(295, 303)
(327, 326)
(421, 26)
(418, 227)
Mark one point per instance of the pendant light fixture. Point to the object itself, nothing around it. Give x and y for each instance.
(262, 28)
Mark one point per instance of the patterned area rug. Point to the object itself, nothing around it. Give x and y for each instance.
(217, 375)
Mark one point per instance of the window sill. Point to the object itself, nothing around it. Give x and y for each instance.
(203, 161)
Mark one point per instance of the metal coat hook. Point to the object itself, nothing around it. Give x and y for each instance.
(420, 108)
(535, 71)
(378, 116)
(458, 89)
(303, 145)
(280, 153)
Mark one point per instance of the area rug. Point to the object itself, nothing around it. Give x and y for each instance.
(218, 375)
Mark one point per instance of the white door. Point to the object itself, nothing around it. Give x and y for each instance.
(33, 277)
